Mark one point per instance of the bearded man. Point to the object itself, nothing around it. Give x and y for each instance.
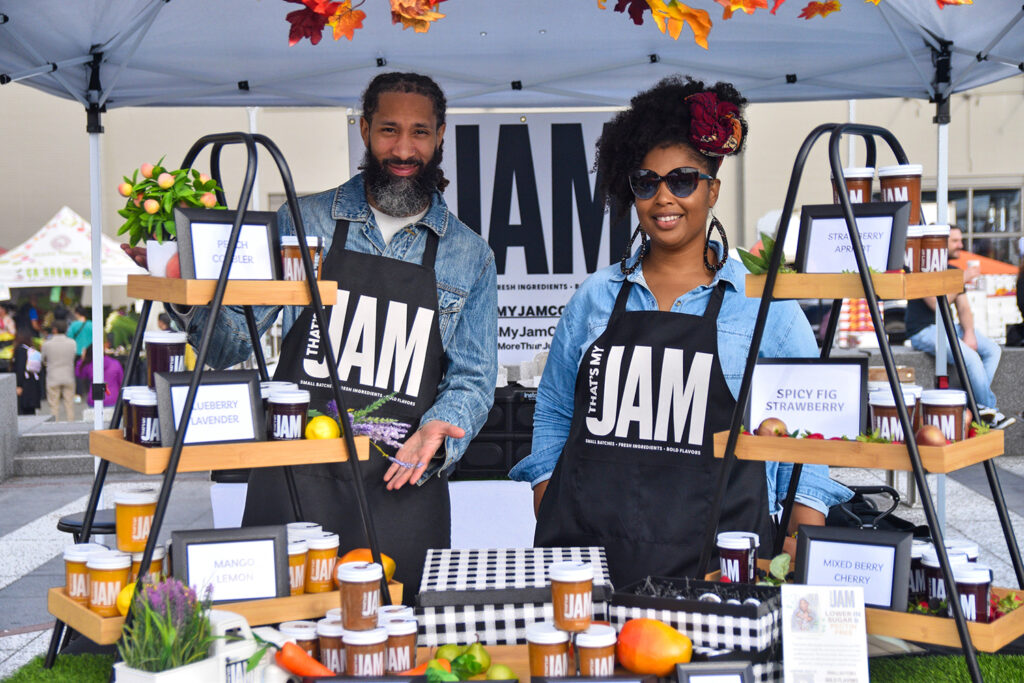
(414, 325)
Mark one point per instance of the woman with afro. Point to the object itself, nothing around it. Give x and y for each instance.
(648, 357)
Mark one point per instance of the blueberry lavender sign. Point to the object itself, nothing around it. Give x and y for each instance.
(227, 407)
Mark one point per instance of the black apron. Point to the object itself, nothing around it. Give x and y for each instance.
(637, 473)
(387, 339)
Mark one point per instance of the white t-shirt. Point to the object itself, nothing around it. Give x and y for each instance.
(390, 225)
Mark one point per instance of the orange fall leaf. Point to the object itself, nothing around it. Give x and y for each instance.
(819, 9)
(671, 16)
(943, 3)
(746, 6)
(346, 20)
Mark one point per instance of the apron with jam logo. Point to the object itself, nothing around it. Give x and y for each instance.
(637, 474)
(384, 328)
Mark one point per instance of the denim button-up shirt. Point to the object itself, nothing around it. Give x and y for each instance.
(787, 334)
(466, 298)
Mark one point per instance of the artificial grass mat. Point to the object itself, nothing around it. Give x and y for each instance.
(68, 668)
(945, 669)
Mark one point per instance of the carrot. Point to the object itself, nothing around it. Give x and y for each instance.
(297, 661)
(422, 668)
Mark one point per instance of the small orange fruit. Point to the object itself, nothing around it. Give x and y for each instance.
(363, 555)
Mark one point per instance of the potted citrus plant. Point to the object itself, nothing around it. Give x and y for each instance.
(169, 638)
(150, 204)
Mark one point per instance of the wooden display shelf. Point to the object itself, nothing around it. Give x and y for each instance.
(110, 445)
(238, 292)
(107, 630)
(922, 628)
(885, 456)
(849, 286)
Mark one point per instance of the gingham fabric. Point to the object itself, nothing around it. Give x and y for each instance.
(500, 569)
(709, 630)
(460, 588)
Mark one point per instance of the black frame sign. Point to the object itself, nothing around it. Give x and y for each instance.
(715, 672)
(249, 563)
(824, 242)
(228, 407)
(877, 561)
(203, 238)
(827, 396)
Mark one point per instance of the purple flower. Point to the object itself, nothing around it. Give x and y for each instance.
(172, 599)
(388, 433)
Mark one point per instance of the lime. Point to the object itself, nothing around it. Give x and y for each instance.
(322, 427)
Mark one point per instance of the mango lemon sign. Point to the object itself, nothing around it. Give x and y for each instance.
(524, 183)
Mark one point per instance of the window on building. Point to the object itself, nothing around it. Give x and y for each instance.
(989, 217)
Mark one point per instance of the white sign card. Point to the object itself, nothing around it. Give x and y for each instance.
(221, 412)
(829, 249)
(237, 570)
(253, 257)
(845, 564)
(523, 181)
(824, 397)
(824, 639)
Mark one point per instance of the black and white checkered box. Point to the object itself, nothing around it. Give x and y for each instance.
(715, 625)
(496, 592)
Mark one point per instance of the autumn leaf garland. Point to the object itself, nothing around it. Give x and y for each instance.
(344, 17)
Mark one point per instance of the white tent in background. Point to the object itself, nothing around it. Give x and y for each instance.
(59, 254)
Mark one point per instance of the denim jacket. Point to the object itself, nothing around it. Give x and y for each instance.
(787, 334)
(466, 300)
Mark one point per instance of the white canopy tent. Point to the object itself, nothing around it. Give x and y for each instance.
(59, 254)
(485, 53)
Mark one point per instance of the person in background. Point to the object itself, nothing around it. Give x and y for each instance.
(661, 338)
(981, 354)
(80, 330)
(7, 323)
(27, 316)
(163, 321)
(113, 373)
(59, 359)
(28, 366)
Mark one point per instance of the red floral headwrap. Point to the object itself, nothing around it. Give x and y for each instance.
(715, 127)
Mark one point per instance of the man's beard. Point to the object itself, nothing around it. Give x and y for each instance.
(400, 196)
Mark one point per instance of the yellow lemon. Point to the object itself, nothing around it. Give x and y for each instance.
(124, 598)
(322, 427)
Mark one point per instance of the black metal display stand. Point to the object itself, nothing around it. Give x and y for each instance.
(869, 133)
(216, 143)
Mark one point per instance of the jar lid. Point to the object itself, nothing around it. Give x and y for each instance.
(388, 612)
(901, 170)
(144, 398)
(545, 633)
(321, 540)
(961, 545)
(571, 572)
(297, 547)
(360, 572)
(915, 231)
(944, 397)
(918, 547)
(916, 389)
(293, 241)
(884, 397)
(159, 553)
(112, 559)
(598, 635)
(302, 630)
(930, 558)
(333, 614)
(738, 540)
(401, 627)
(136, 497)
(80, 552)
(332, 628)
(164, 337)
(374, 636)
(935, 230)
(289, 396)
(972, 573)
(128, 393)
(278, 384)
(857, 172)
